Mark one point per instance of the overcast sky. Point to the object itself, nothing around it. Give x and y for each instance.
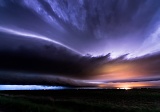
(78, 42)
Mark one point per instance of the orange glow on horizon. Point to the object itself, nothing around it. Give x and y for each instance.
(120, 71)
(120, 74)
(130, 85)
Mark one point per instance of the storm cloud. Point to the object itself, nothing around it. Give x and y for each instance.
(79, 42)
(44, 63)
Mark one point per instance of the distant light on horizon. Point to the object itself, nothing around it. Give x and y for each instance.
(126, 88)
(30, 87)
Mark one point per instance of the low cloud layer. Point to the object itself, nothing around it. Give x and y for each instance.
(38, 62)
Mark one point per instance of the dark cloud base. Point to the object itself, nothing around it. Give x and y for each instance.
(37, 56)
(51, 64)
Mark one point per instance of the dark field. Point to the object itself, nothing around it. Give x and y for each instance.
(136, 100)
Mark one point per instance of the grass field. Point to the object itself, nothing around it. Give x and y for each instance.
(136, 100)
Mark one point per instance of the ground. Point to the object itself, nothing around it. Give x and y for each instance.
(136, 100)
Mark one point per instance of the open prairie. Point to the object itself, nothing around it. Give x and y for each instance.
(81, 100)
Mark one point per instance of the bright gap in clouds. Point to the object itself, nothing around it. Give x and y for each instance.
(30, 87)
(150, 45)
